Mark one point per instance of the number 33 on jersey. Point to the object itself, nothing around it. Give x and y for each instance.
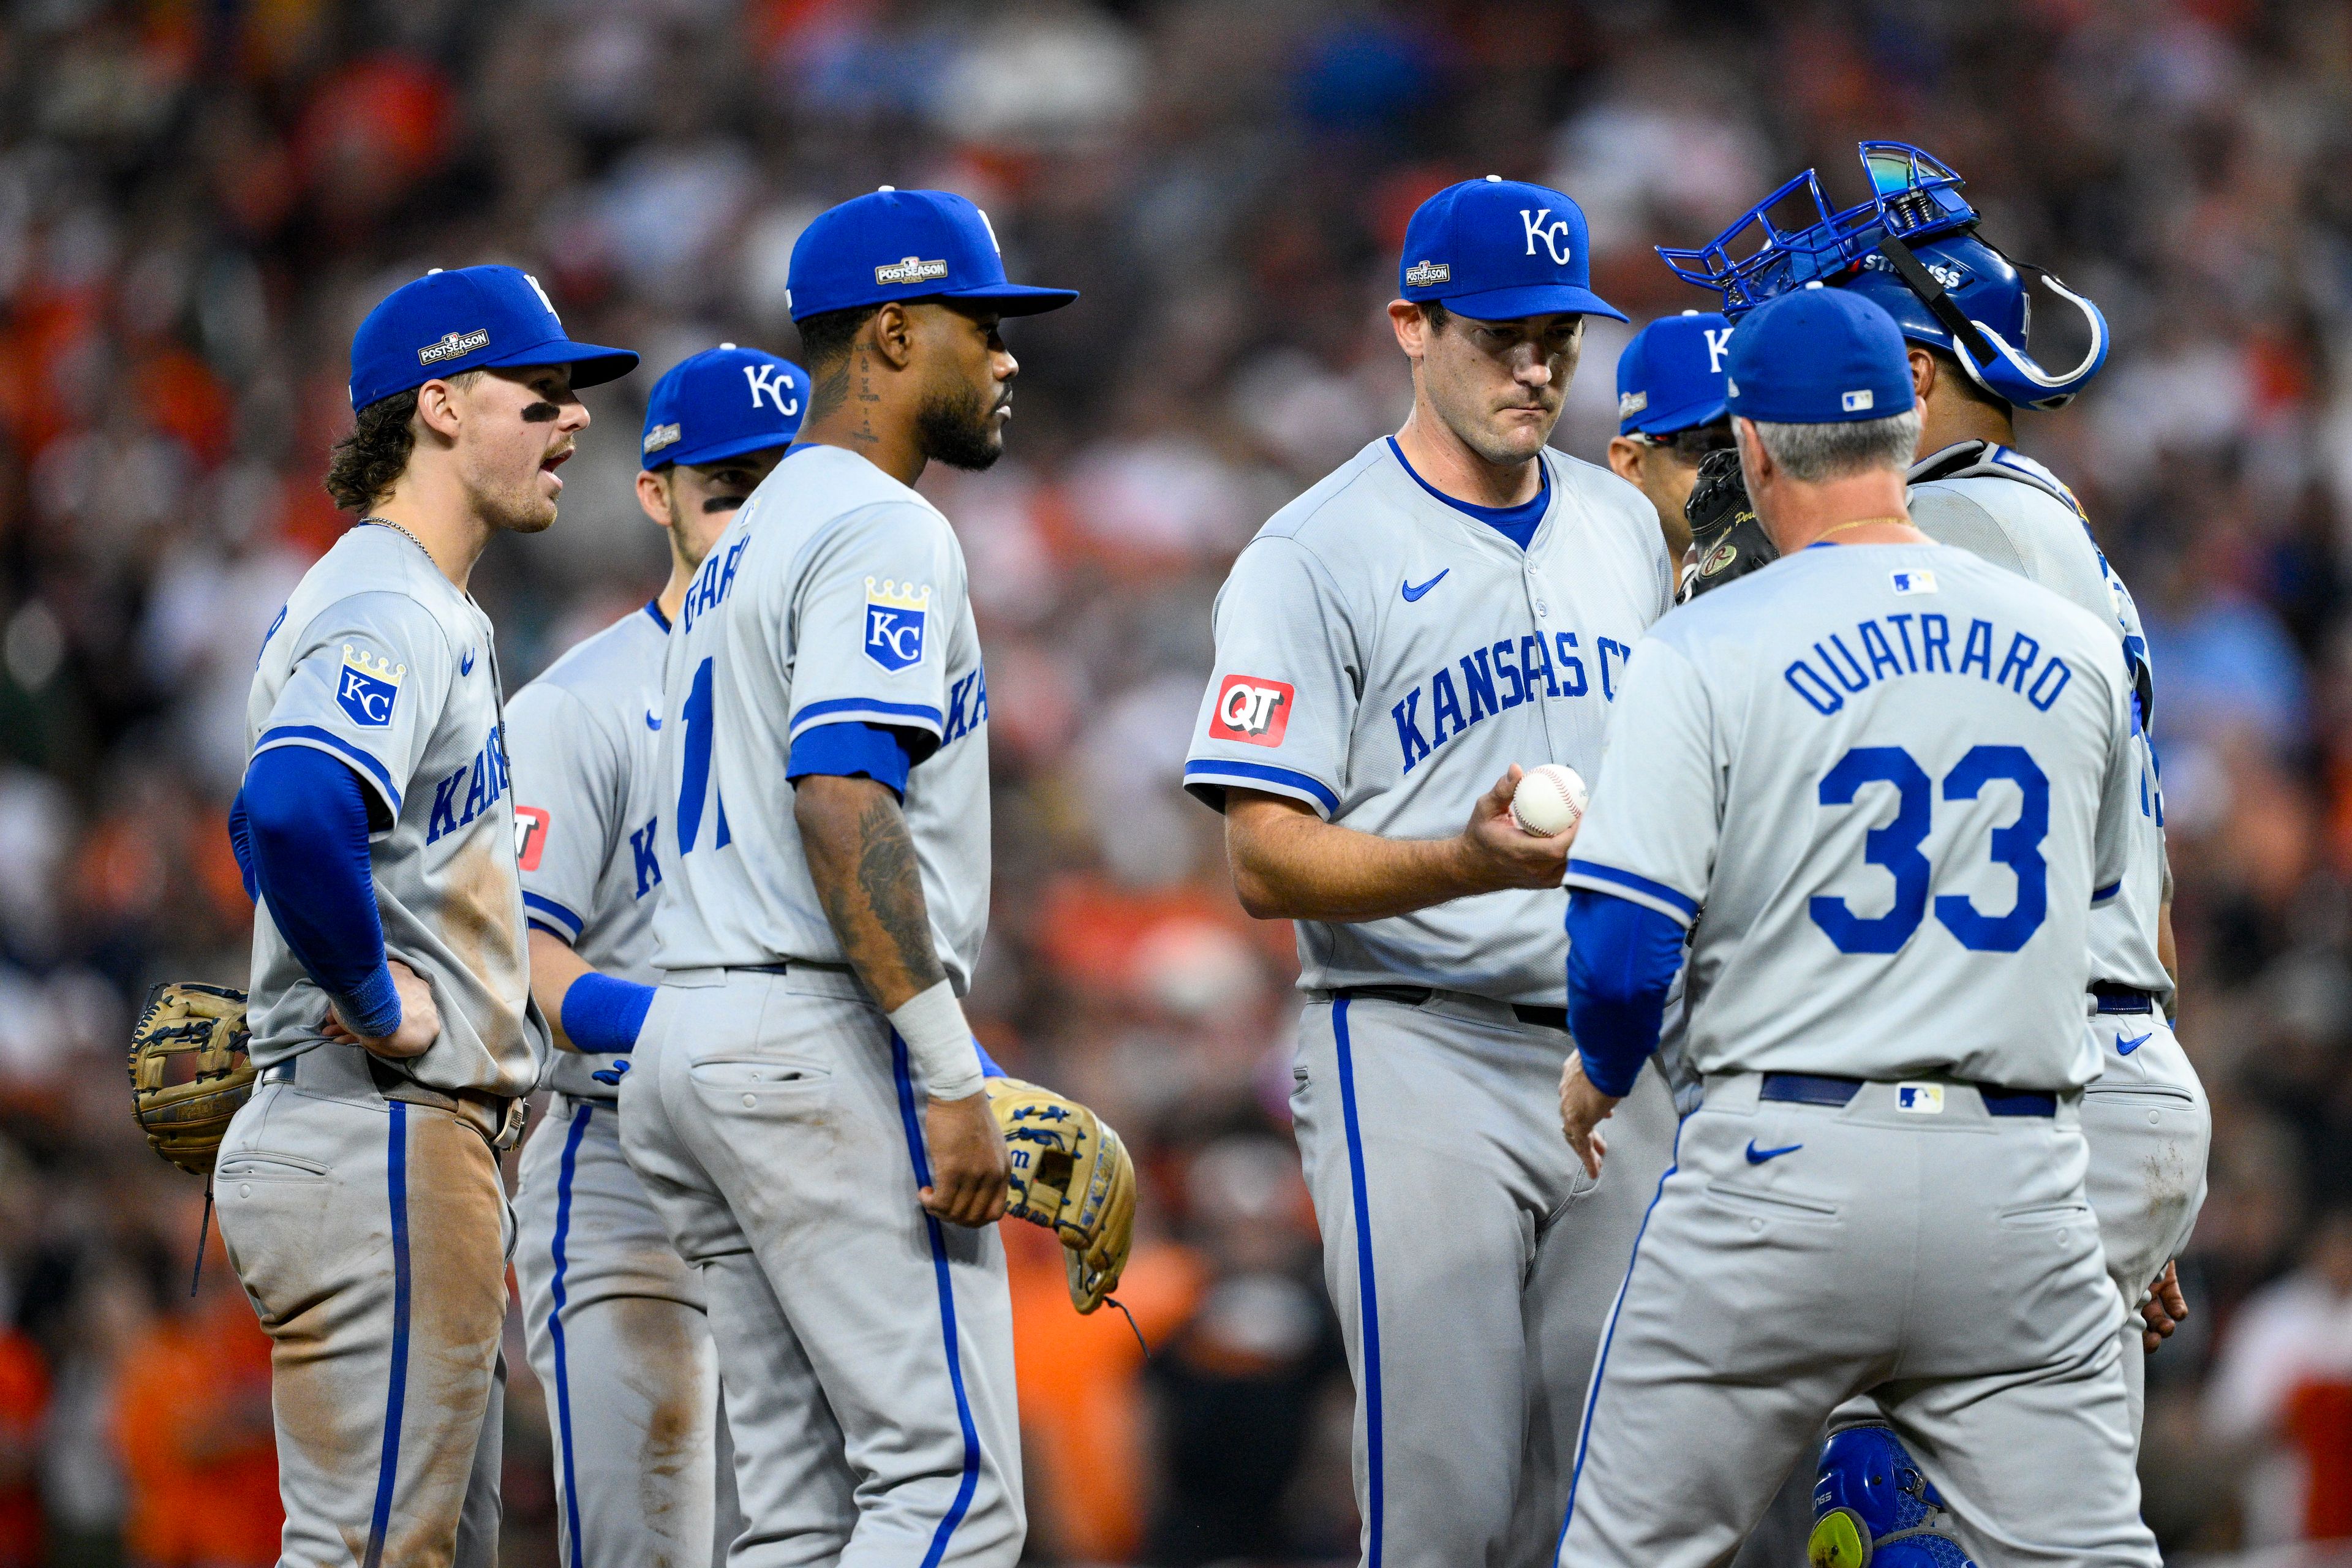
(1880, 764)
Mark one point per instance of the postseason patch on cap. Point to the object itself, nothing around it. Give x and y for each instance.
(1423, 274)
(910, 270)
(662, 435)
(454, 346)
(1631, 403)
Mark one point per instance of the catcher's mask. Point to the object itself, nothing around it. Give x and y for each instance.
(1913, 250)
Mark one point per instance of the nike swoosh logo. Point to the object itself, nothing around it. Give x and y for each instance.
(1413, 594)
(1757, 1156)
(2126, 1047)
(466, 665)
(652, 722)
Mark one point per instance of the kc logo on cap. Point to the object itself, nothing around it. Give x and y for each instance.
(726, 402)
(1512, 250)
(465, 319)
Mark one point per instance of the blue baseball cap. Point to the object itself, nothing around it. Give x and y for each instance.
(906, 245)
(1819, 356)
(1497, 250)
(470, 318)
(1670, 375)
(722, 403)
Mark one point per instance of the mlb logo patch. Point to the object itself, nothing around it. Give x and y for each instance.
(894, 614)
(367, 687)
(1855, 402)
(1253, 709)
(1920, 1098)
(530, 835)
(1914, 581)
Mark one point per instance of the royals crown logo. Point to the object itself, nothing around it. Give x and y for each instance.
(895, 615)
(368, 686)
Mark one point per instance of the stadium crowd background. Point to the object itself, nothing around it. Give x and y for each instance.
(199, 198)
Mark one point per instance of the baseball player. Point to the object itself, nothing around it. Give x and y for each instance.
(359, 1188)
(806, 1105)
(1881, 786)
(613, 1315)
(1962, 305)
(1456, 603)
(1670, 413)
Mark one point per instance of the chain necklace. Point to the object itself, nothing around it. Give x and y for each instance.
(1861, 523)
(387, 522)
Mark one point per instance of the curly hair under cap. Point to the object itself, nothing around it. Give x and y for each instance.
(369, 461)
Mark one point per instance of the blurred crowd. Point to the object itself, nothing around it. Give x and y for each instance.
(199, 198)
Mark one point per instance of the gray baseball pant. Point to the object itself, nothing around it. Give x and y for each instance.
(2148, 1127)
(1471, 1261)
(614, 1322)
(865, 1348)
(371, 1238)
(1947, 1262)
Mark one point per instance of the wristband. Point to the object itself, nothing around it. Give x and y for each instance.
(601, 1014)
(373, 1012)
(940, 1048)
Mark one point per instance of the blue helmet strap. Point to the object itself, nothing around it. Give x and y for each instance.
(1937, 298)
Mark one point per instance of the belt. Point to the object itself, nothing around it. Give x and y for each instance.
(2121, 999)
(787, 966)
(499, 1118)
(1820, 1089)
(1414, 996)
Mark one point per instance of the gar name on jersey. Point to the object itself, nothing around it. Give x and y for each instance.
(838, 595)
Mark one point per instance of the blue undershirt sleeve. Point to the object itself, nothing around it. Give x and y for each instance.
(601, 1014)
(1622, 959)
(849, 750)
(306, 825)
(240, 844)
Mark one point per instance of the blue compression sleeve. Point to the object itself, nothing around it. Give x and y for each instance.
(849, 749)
(602, 1014)
(1621, 959)
(240, 844)
(306, 816)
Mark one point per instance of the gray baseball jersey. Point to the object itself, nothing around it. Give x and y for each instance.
(379, 660)
(2000, 504)
(1876, 766)
(1384, 659)
(837, 594)
(584, 735)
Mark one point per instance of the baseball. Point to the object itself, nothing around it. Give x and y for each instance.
(1550, 799)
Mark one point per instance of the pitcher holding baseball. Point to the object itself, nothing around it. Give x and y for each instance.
(1456, 602)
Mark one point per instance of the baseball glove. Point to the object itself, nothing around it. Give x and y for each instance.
(1071, 1175)
(190, 1070)
(1727, 542)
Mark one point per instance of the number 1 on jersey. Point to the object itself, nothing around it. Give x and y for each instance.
(694, 785)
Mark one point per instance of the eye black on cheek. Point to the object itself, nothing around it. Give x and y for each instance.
(539, 413)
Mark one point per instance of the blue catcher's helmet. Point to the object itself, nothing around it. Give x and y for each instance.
(1874, 1509)
(1913, 250)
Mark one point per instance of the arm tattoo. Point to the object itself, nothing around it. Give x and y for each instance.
(873, 889)
(893, 884)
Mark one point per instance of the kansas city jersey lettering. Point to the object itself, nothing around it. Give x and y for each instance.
(1499, 678)
(967, 707)
(482, 783)
(1924, 642)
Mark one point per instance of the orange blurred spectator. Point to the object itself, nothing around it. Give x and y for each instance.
(1083, 1424)
(192, 1418)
